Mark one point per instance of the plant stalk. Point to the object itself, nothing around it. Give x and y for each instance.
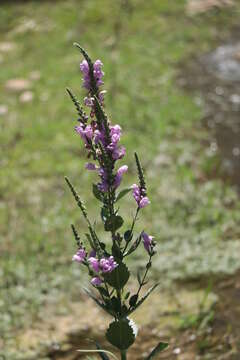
(123, 355)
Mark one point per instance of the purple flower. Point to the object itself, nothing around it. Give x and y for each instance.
(91, 166)
(118, 153)
(99, 136)
(101, 95)
(86, 132)
(94, 263)
(80, 255)
(97, 73)
(144, 202)
(103, 185)
(92, 253)
(84, 67)
(136, 193)
(89, 101)
(119, 175)
(147, 241)
(108, 264)
(141, 200)
(96, 281)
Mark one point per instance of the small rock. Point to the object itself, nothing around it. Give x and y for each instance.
(3, 109)
(200, 6)
(35, 75)
(236, 151)
(6, 46)
(235, 98)
(176, 351)
(26, 96)
(17, 84)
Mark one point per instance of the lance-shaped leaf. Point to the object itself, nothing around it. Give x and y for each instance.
(96, 192)
(122, 193)
(121, 334)
(160, 347)
(118, 277)
(134, 246)
(143, 298)
(102, 355)
(99, 303)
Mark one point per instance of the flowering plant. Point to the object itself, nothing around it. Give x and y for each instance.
(106, 263)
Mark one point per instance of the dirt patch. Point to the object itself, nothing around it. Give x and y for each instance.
(215, 80)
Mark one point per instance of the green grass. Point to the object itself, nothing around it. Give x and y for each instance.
(194, 218)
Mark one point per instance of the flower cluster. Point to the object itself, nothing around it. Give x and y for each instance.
(105, 262)
(140, 197)
(80, 255)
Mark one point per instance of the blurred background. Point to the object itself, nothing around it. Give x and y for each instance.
(172, 75)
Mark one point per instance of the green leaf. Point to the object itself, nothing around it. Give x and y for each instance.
(113, 223)
(122, 193)
(102, 355)
(121, 334)
(118, 277)
(96, 192)
(127, 295)
(134, 246)
(117, 254)
(143, 298)
(133, 300)
(160, 347)
(128, 235)
(99, 303)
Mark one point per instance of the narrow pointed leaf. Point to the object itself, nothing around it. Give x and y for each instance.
(160, 347)
(143, 298)
(99, 303)
(122, 193)
(102, 355)
(96, 192)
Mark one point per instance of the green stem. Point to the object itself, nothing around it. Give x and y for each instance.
(123, 355)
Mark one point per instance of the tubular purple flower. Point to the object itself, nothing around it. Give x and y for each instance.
(84, 67)
(144, 202)
(86, 132)
(141, 200)
(136, 193)
(94, 263)
(79, 256)
(91, 166)
(103, 185)
(96, 281)
(92, 253)
(147, 241)
(118, 153)
(119, 175)
(108, 264)
(101, 96)
(89, 101)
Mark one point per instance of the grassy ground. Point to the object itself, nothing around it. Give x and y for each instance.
(194, 215)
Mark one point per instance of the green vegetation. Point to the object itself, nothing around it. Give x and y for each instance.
(193, 214)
